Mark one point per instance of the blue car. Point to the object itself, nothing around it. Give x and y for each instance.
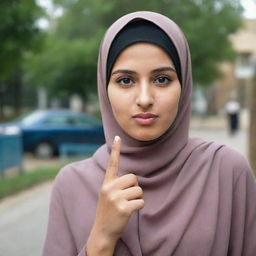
(44, 131)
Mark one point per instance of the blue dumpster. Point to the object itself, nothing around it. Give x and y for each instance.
(11, 152)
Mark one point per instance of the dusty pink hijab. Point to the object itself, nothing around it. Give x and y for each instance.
(140, 157)
(188, 184)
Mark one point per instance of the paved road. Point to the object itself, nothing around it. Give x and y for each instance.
(238, 141)
(23, 218)
(23, 221)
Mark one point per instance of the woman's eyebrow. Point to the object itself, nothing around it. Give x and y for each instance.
(124, 71)
(157, 70)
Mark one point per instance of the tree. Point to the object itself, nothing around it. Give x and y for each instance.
(63, 67)
(18, 35)
(207, 25)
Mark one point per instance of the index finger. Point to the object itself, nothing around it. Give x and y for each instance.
(113, 164)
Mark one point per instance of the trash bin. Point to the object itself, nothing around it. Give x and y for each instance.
(11, 152)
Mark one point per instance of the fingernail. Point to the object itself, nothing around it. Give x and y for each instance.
(117, 138)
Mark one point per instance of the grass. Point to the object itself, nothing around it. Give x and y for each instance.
(13, 185)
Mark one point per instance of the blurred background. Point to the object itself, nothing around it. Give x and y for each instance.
(49, 112)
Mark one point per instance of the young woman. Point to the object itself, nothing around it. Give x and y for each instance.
(151, 190)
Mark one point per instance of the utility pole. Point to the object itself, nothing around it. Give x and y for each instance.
(252, 126)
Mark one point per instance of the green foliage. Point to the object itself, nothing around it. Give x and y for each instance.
(83, 18)
(13, 185)
(64, 67)
(68, 62)
(18, 34)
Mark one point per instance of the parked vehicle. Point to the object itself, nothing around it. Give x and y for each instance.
(43, 131)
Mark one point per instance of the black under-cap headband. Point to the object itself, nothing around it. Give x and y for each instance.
(142, 31)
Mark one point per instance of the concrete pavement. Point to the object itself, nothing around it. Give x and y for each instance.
(23, 218)
(23, 222)
(237, 141)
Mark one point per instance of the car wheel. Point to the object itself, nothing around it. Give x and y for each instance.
(44, 150)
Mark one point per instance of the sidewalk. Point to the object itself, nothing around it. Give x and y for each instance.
(31, 162)
(23, 221)
(215, 129)
(214, 122)
(237, 142)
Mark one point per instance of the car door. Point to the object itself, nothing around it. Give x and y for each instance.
(72, 128)
(88, 130)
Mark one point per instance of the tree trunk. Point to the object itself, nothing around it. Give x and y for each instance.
(252, 127)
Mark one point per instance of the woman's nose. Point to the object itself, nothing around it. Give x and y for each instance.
(144, 97)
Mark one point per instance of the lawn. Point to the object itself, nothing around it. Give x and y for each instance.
(12, 185)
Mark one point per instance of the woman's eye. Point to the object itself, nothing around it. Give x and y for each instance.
(162, 80)
(125, 81)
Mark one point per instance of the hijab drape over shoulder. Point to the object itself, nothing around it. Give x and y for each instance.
(199, 196)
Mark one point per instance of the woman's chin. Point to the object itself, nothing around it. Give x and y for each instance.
(145, 136)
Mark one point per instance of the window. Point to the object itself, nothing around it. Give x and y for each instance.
(59, 120)
(244, 60)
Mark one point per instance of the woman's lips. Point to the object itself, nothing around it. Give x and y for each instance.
(145, 118)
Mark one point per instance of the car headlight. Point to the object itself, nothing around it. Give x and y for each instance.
(2, 130)
(12, 130)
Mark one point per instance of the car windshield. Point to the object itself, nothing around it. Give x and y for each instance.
(85, 120)
(30, 118)
(59, 118)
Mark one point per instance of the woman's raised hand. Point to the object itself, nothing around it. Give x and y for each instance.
(118, 199)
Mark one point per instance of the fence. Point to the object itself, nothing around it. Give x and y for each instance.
(11, 152)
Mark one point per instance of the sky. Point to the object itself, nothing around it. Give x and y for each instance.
(249, 6)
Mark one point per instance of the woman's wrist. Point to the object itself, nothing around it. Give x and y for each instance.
(100, 244)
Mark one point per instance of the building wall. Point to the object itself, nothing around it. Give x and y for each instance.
(235, 80)
(244, 39)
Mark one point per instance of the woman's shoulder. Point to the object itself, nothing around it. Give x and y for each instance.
(231, 156)
(235, 160)
(227, 158)
(74, 167)
(80, 173)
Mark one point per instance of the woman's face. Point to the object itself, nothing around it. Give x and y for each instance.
(144, 91)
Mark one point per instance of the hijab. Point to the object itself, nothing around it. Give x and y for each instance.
(140, 157)
(178, 175)
(141, 31)
(156, 163)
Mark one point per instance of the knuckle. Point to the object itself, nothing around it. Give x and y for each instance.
(112, 198)
(133, 178)
(122, 210)
(104, 190)
(140, 191)
(142, 204)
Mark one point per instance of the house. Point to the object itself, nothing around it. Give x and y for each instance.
(237, 77)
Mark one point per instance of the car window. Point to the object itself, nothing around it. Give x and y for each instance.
(86, 120)
(31, 118)
(59, 120)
